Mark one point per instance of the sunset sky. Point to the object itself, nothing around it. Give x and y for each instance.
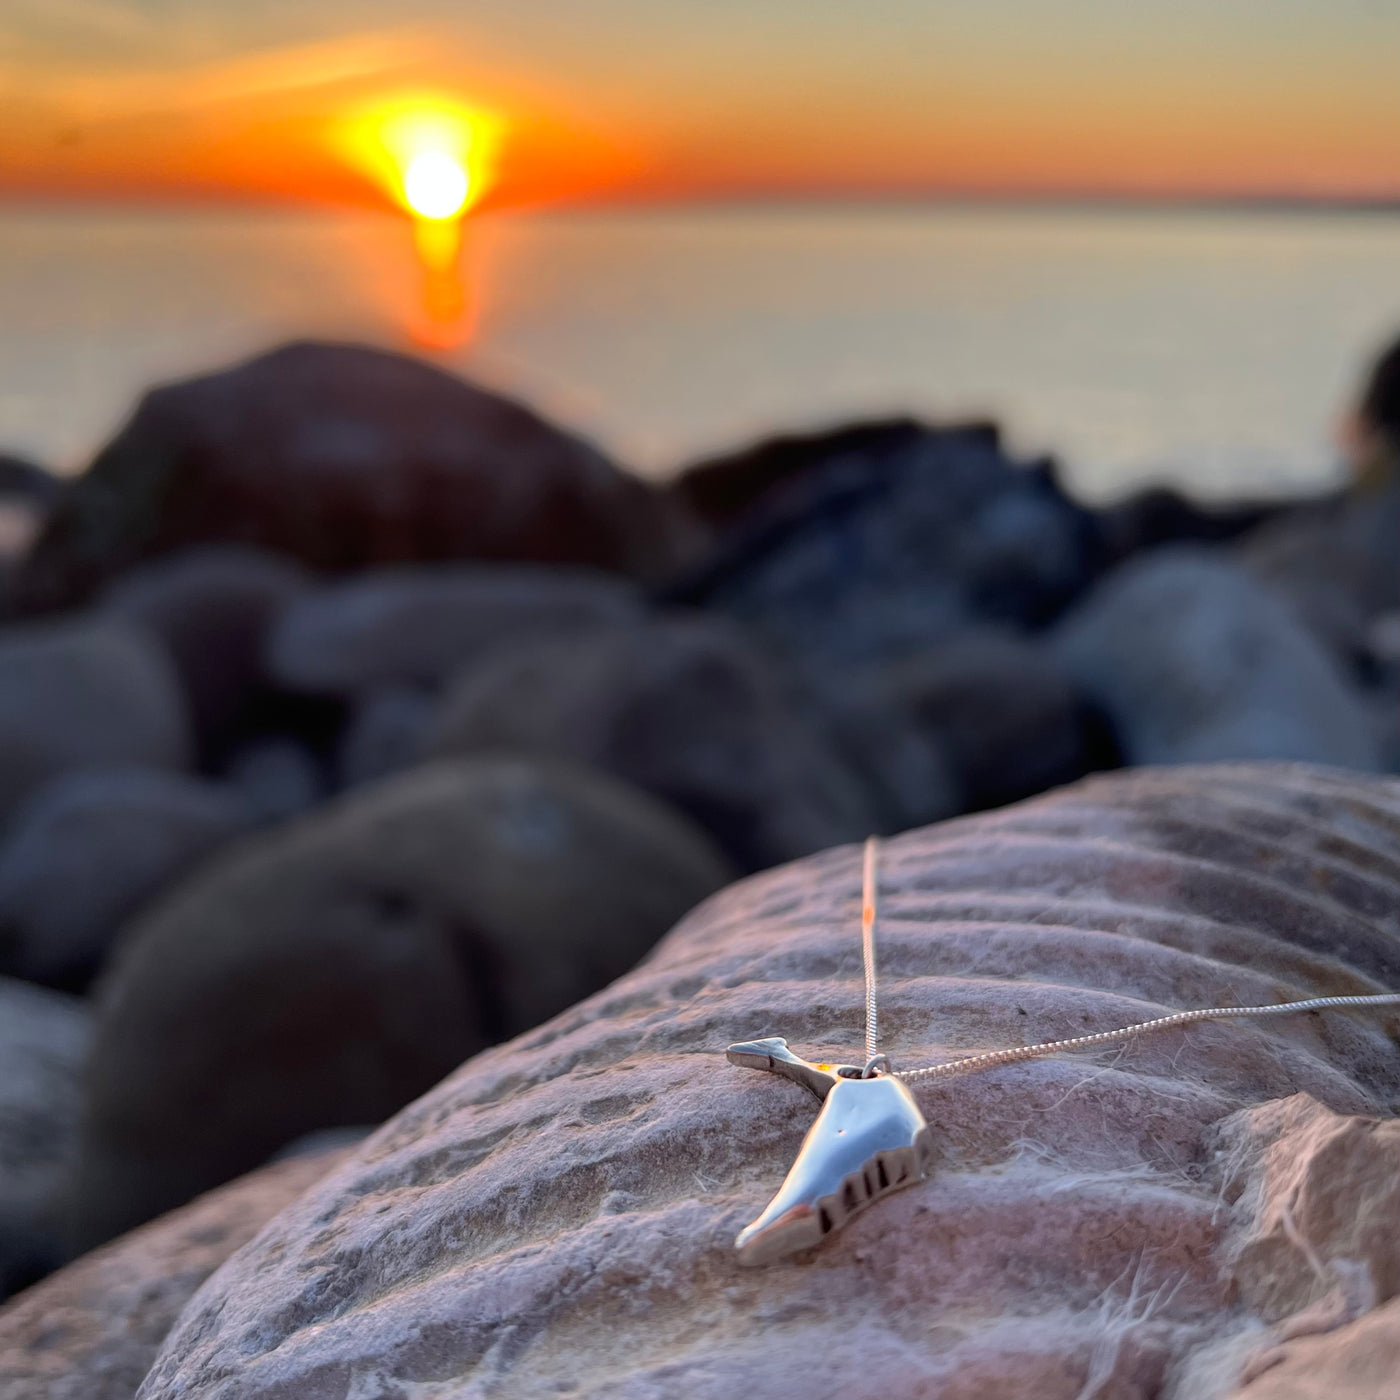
(687, 99)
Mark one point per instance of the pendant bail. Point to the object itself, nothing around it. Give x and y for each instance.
(876, 1066)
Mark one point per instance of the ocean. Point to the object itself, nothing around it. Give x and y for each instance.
(1211, 349)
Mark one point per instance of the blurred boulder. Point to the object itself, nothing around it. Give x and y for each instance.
(1338, 567)
(388, 730)
(723, 490)
(277, 777)
(978, 721)
(1193, 660)
(91, 1331)
(343, 457)
(211, 607)
(84, 692)
(1161, 515)
(329, 972)
(86, 850)
(44, 1038)
(685, 707)
(419, 625)
(891, 544)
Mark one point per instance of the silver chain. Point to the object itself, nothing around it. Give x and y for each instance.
(989, 1059)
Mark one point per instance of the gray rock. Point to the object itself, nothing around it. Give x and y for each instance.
(344, 457)
(388, 731)
(85, 851)
(419, 625)
(683, 706)
(1193, 660)
(211, 608)
(44, 1038)
(1337, 564)
(983, 719)
(81, 693)
(91, 1331)
(558, 1216)
(887, 542)
(326, 973)
(276, 777)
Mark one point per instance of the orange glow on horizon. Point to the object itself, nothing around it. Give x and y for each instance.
(343, 121)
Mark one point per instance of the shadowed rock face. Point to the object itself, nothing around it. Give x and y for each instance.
(342, 456)
(559, 1215)
(91, 1331)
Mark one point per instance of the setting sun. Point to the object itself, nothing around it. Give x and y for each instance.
(436, 185)
(434, 155)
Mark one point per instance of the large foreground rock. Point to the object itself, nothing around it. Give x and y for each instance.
(91, 1331)
(1193, 660)
(81, 693)
(44, 1038)
(685, 707)
(558, 1216)
(343, 456)
(326, 973)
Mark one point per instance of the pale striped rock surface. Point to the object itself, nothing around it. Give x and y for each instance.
(557, 1216)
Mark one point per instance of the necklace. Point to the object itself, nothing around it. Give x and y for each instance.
(870, 1138)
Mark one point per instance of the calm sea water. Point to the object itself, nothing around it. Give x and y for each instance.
(1214, 349)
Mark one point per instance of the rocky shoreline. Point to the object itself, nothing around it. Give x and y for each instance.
(353, 719)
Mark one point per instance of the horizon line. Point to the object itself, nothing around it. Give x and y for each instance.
(1282, 201)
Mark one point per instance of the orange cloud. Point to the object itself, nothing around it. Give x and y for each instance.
(283, 125)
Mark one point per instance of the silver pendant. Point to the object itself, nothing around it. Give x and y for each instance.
(868, 1140)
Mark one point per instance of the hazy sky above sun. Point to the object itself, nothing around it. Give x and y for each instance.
(701, 98)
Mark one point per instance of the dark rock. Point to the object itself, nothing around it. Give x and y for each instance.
(558, 1216)
(91, 1331)
(388, 731)
(722, 490)
(27, 481)
(683, 706)
(326, 974)
(27, 493)
(82, 693)
(85, 851)
(211, 607)
(1161, 515)
(419, 625)
(892, 546)
(1338, 567)
(988, 709)
(1193, 660)
(276, 777)
(342, 457)
(44, 1039)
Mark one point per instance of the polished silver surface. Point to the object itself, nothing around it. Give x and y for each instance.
(869, 1140)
